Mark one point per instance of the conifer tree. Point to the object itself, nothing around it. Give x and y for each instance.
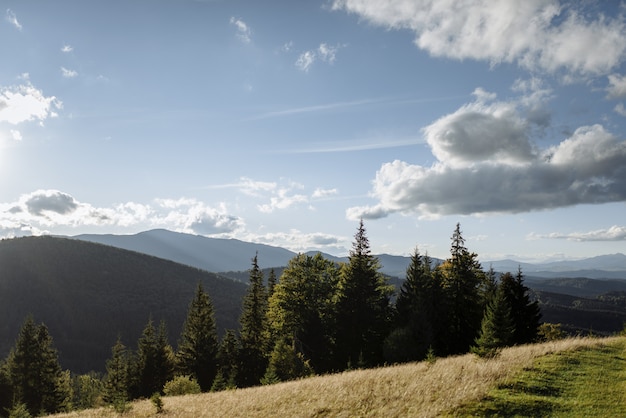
(271, 283)
(286, 363)
(227, 359)
(362, 307)
(414, 313)
(198, 345)
(462, 281)
(496, 330)
(526, 314)
(301, 307)
(117, 378)
(6, 390)
(155, 360)
(35, 372)
(253, 350)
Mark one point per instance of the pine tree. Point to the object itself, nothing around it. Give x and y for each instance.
(462, 280)
(197, 349)
(362, 307)
(496, 330)
(117, 378)
(253, 351)
(35, 372)
(301, 307)
(526, 314)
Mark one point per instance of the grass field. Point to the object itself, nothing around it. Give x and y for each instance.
(561, 378)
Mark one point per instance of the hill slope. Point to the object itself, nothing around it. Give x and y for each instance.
(410, 390)
(88, 294)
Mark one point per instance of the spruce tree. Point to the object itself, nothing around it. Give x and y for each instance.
(35, 372)
(227, 359)
(286, 363)
(117, 378)
(414, 313)
(253, 353)
(496, 330)
(198, 345)
(462, 280)
(526, 314)
(155, 360)
(362, 307)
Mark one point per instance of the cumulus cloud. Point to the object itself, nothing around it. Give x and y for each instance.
(12, 19)
(324, 52)
(324, 193)
(299, 241)
(243, 30)
(545, 35)
(614, 233)
(284, 197)
(37, 212)
(68, 73)
(26, 103)
(67, 48)
(487, 163)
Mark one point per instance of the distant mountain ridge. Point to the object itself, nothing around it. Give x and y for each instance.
(221, 255)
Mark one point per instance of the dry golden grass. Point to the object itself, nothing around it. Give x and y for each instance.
(411, 390)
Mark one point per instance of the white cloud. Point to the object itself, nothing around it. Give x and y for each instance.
(617, 86)
(301, 242)
(542, 35)
(26, 103)
(620, 109)
(37, 212)
(67, 48)
(283, 198)
(16, 135)
(243, 30)
(487, 163)
(324, 52)
(12, 19)
(68, 73)
(614, 233)
(324, 193)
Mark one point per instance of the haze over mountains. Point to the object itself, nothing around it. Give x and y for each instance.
(221, 255)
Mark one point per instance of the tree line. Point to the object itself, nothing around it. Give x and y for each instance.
(318, 317)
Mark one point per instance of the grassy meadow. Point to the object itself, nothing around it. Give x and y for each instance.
(572, 377)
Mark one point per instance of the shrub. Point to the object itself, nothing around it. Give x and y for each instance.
(181, 385)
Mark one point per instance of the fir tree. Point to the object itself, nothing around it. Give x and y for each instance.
(155, 360)
(362, 307)
(496, 330)
(286, 363)
(197, 349)
(462, 281)
(34, 370)
(117, 378)
(253, 341)
(526, 314)
(414, 313)
(227, 359)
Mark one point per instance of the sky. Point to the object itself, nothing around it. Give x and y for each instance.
(286, 122)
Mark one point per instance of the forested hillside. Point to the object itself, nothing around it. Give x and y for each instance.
(89, 294)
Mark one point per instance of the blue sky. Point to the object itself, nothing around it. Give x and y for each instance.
(285, 122)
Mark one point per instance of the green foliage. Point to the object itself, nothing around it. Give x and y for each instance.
(157, 401)
(6, 390)
(414, 313)
(254, 331)
(525, 314)
(497, 328)
(362, 306)
(301, 307)
(462, 285)
(155, 360)
(551, 332)
(118, 376)
(227, 359)
(181, 385)
(286, 364)
(88, 390)
(19, 410)
(34, 371)
(198, 346)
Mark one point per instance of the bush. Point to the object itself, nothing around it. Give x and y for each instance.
(157, 401)
(551, 332)
(181, 385)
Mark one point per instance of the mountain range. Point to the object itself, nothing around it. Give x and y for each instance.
(223, 255)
